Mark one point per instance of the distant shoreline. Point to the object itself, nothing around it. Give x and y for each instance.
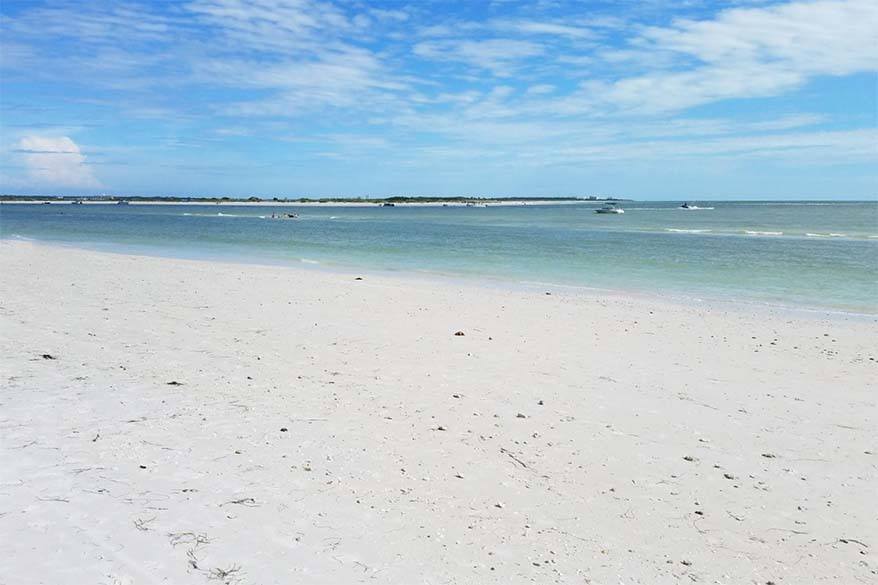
(324, 202)
(352, 202)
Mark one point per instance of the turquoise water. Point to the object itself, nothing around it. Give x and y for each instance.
(820, 255)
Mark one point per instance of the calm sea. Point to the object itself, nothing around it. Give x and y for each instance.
(803, 254)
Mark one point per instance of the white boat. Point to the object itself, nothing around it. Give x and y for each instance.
(610, 208)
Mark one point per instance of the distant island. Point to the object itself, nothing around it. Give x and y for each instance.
(403, 199)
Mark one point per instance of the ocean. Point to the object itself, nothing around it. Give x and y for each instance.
(816, 255)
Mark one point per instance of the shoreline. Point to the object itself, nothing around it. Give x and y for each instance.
(435, 278)
(171, 419)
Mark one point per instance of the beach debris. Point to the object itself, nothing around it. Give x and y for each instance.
(686, 563)
(520, 415)
(188, 538)
(548, 293)
(455, 395)
(850, 540)
(224, 575)
(513, 457)
(143, 467)
(48, 356)
(540, 402)
(283, 429)
(250, 502)
(174, 383)
(42, 499)
(441, 428)
(459, 333)
(498, 505)
(769, 455)
(689, 458)
(141, 524)
(728, 476)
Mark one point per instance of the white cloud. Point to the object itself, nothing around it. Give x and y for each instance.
(743, 53)
(391, 15)
(275, 25)
(541, 89)
(533, 27)
(816, 148)
(56, 161)
(826, 37)
(496, 55)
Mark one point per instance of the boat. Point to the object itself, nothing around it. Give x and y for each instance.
(610, 209)
(388, 204)
(687, 205)
(121, 202)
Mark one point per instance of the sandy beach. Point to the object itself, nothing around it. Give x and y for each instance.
(174, 421)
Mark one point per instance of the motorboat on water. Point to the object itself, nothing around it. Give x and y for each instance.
(691, 206)
(610, 209)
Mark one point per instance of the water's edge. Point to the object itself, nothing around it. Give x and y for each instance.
(433, 279)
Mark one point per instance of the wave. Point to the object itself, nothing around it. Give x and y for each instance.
(830, 235)
(308, 261)
(682, 231)
(758, 233)
(220, 214)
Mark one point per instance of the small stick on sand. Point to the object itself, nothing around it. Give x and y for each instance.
(514, 458)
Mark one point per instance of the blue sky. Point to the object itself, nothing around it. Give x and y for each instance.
(648, 100)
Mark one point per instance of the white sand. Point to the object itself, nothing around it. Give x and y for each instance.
(590, 485)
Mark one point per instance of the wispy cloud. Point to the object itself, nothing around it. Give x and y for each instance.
(543, 28)
(498, 56)
(743, 53)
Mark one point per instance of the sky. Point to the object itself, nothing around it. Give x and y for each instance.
(647, 99)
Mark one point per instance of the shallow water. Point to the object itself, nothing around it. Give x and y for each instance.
(805, 254)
